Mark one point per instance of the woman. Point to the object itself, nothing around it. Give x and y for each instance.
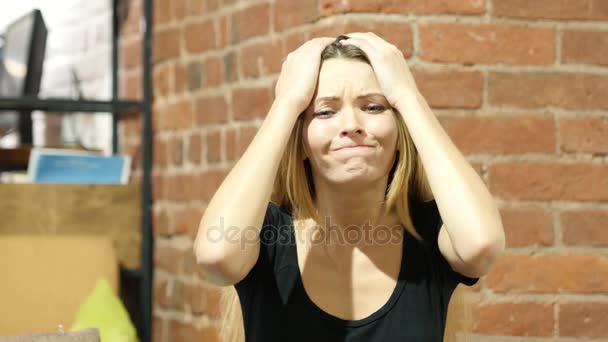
(352, 245)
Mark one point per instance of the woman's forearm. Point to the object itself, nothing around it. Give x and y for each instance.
(468, 210)
(235, 213)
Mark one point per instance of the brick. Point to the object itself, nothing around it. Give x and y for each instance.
(584, 134)
(158, 187)
(537, 274)
(159, 109)
(187, 221)
(396, 33)
(585, 47)
(179, 115)
(184, 220)
(209, 181)
(162, 11)
(179, 10)
(214, 5)
(211, 109)
(224, 27)
(328, 8)
(203, 299)
(250, 103)
(195, 148)
(176, 188)
(583, 320)
(166, 44)
(486, 44)
(159, 148)
(163, 295)
(196, 7)
(176, 151)
(159, 329)
(536, 90)
(549, 181)
(160, 222)
(584, 227)
(551, 9)
(130, 24)
(213, 74)
(180, 332)
(130, 54)
(190, 265)
(200, 36)
(230, 143)
(161, 76)
(332, 29)
(251, 22)
(168, 258)
(450, 89)
(515, 319)
(479, 168)
(179, 78)
(180, 186)
(194, 75)
(246, 135)
(527, 226)
(261, 59)
(132, 126)
(331, 7)
(294, 40)
(131, 89)
(495, 134)
(289, 13)
(230, 69)
(213, 143)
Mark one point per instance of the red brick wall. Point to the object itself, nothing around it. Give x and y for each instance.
(521, 87)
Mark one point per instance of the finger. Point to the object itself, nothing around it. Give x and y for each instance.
(364, 45)
(370, 37)
(320, 41)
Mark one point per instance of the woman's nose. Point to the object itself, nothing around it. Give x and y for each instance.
(350, 123)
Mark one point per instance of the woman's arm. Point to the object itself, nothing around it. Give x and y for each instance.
(227, 244)
(240, 202)
(472, 236)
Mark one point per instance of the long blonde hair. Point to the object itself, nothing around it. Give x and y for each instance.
(294, 188)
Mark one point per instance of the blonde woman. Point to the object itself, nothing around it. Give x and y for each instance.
(351, 216)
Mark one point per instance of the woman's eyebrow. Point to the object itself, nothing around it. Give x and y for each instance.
(336, 98)
(371, 95)
(327, 98)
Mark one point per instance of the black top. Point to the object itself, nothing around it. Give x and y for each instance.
(275, 305)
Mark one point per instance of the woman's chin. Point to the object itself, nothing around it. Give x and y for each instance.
(354, 175)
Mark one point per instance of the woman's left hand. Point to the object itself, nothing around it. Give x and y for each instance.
(390, 67)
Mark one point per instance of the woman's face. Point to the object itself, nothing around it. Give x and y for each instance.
(348, 109)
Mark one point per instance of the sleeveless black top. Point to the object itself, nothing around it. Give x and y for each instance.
(275, 305)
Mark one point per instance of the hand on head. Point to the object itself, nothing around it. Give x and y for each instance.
(389, 64)
(299, 73)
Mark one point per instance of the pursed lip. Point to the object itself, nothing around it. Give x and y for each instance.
(351, 146)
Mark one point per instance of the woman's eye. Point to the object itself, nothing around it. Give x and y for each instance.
(323, 113)
(375, 108)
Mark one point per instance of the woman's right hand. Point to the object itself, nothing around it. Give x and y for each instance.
(299, 73)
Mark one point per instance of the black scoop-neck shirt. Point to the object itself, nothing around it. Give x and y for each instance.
(276, 307)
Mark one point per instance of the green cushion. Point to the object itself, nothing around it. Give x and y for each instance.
(103, 309)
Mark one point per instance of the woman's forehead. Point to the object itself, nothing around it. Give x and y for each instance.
(341, 75)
